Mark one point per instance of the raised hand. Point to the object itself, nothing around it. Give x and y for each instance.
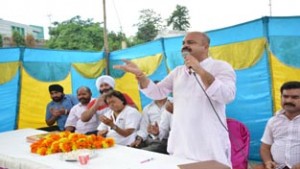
(191, 62)
(129, 67)
(107, 121)
(153, 129)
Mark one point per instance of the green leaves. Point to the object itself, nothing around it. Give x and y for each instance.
(179, 19)
(76, 34)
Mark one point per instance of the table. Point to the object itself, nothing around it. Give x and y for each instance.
(15, 154)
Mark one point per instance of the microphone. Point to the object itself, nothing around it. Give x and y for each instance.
(184, 54)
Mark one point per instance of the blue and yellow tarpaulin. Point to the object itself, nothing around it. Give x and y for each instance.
(263, 52)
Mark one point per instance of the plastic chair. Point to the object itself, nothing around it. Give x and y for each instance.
(240, 143)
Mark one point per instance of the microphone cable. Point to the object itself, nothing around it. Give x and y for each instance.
(213, 107)
(210, 102)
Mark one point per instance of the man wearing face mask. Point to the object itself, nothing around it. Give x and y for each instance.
(104, 84)
(201, 89)
(58, 109)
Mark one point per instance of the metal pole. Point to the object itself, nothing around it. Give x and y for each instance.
(270, 7)
(106, 49)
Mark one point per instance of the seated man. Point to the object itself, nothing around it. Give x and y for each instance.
(74, 123)
(280, 148)
(97, 106)
(58, 109)
(151, 115)
(163, 129)
(121, 121)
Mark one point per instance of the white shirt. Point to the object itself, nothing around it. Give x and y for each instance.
(129, 118)
(165, 124)
(283, 135)
(151, 114)
(196, 132)
(74, 119)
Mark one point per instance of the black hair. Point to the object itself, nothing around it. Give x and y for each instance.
(290, 85)
(85, 88)
(56, 87)
(117, 94)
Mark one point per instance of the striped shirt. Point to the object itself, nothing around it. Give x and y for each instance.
(283, 135)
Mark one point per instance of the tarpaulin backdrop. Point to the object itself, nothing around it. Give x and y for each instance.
(263, 53)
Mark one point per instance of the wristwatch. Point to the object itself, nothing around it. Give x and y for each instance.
(114, 127)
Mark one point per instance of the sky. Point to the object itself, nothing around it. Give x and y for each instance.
(123, 14)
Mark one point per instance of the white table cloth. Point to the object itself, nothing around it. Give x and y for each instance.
(15, 154)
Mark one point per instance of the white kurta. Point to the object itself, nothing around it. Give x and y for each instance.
(165, 124)
(196, 133)
(74, 119)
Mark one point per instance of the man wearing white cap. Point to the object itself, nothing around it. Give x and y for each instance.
(103, 84)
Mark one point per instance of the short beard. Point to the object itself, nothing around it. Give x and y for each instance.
(84, 101)
(58, 99)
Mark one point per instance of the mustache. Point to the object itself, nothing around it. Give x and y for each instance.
(289, 104)
(105, 90)
(186, 49)
(84, 99)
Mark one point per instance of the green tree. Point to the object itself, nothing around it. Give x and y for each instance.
(148, 26)
(76, 34)
(17, 39)
(115, 40)
(1, 41)
(179, 19)
(29, 40)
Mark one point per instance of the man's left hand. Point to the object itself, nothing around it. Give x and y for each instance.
(297, 166)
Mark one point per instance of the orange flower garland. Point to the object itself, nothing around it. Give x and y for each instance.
(67, 141)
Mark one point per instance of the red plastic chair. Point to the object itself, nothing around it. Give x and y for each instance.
(240, 143)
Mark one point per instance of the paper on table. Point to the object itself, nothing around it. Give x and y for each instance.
(36, 137)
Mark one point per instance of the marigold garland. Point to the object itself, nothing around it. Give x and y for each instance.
(67, 141)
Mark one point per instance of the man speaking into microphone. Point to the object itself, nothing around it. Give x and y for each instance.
(201, 89)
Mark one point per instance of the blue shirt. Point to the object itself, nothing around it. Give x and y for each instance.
(67, 103)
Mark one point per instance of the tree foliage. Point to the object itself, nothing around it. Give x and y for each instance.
(148, 26)
(29, 40)
(179, 19)
(115, 40)
(17, 39)
(76, 34)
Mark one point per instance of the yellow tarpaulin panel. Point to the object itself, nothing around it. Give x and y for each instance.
(34, 99)
(128, 84)
(148, 64)
(240, 55)
(90, 70)
(8, 71)
(280, 74)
